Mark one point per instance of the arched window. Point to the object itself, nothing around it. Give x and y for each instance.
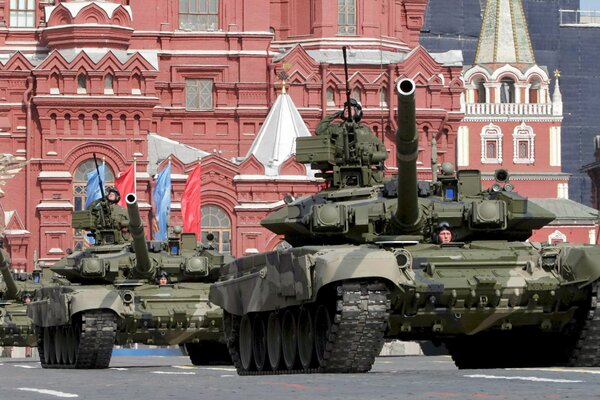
(383, 97)
(329, 96)
(81, 84)
(356, 94)
(480, 96)
(507, 90)
(80, 194)
(216, 221)
(534, 91)
(347, 17)
(491, 144)
(136, 84)
(523, 144)
(108, 84)
(54, 89)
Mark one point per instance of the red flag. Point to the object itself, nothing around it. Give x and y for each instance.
(190, 202)
(125, 183)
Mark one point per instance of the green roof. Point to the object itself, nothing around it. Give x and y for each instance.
(566, 209)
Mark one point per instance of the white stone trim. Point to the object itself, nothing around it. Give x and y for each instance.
(487, 135)
(521, 133)
(462, 146)
(557, 235)
(555, 146)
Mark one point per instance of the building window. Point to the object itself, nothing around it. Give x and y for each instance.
(383, 97)
(108, 84)
(216, 221)
(523, 145)
(480, 91)
(491, 145)
(507, 90)
(81, 84)
(329, 96)
(80, 194)
(534, 91)
(199, 15)
(356, 94)
(22, 13)
(557, 237)
(347, 17)
(198, 94)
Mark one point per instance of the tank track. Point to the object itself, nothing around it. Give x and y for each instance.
(86, 344)
(359, 317)
(586, 349)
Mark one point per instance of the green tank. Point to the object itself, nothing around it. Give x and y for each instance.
(366, 265)
(16, 329)
(116, 296)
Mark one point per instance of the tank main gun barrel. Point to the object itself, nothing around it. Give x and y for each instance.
(136, 228)
(407, 219)
(11, 287)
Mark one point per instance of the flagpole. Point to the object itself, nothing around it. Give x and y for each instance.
(134, 175)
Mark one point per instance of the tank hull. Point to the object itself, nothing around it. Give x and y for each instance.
(16, 328)
(176, 314)
(419, 292)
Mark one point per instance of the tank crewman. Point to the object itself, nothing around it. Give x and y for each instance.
(443, 233)
(163, 278)
(118, 214)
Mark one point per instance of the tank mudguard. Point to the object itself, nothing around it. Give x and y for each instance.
(581, 263)
(356, 262)
(263, 282)
(275, 280)
(56, 306)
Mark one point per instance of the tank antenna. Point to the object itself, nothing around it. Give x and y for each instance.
(347, 85)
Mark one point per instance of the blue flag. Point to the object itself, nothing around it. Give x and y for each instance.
(162, 202)
(93, 185)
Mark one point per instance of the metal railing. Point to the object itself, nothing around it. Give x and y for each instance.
(579, 17)
(508, 109)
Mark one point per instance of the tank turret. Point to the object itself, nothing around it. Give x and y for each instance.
(12, 289)
(143, 266)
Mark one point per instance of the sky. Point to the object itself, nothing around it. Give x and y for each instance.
(590, 5)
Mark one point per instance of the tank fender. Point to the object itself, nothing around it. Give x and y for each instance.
(95, 299)
(56, 307)
(583, 262)
(264, 282)
(50, 306)
(346, 263)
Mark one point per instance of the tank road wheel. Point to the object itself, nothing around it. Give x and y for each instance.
(586, 347)
(259, 342)
(306, 338)
(274, 340)
(208, 353)
(246, 342)
(39, 334)
(58, 345)
(322, 327)
(70, 345)
(49, 349)
(231, 330)
(289, 339)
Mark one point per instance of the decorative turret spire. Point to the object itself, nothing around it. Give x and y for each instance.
(557, 104)
(504, 38)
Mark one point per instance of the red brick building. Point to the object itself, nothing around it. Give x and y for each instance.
(513, 121)
(128, 80)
